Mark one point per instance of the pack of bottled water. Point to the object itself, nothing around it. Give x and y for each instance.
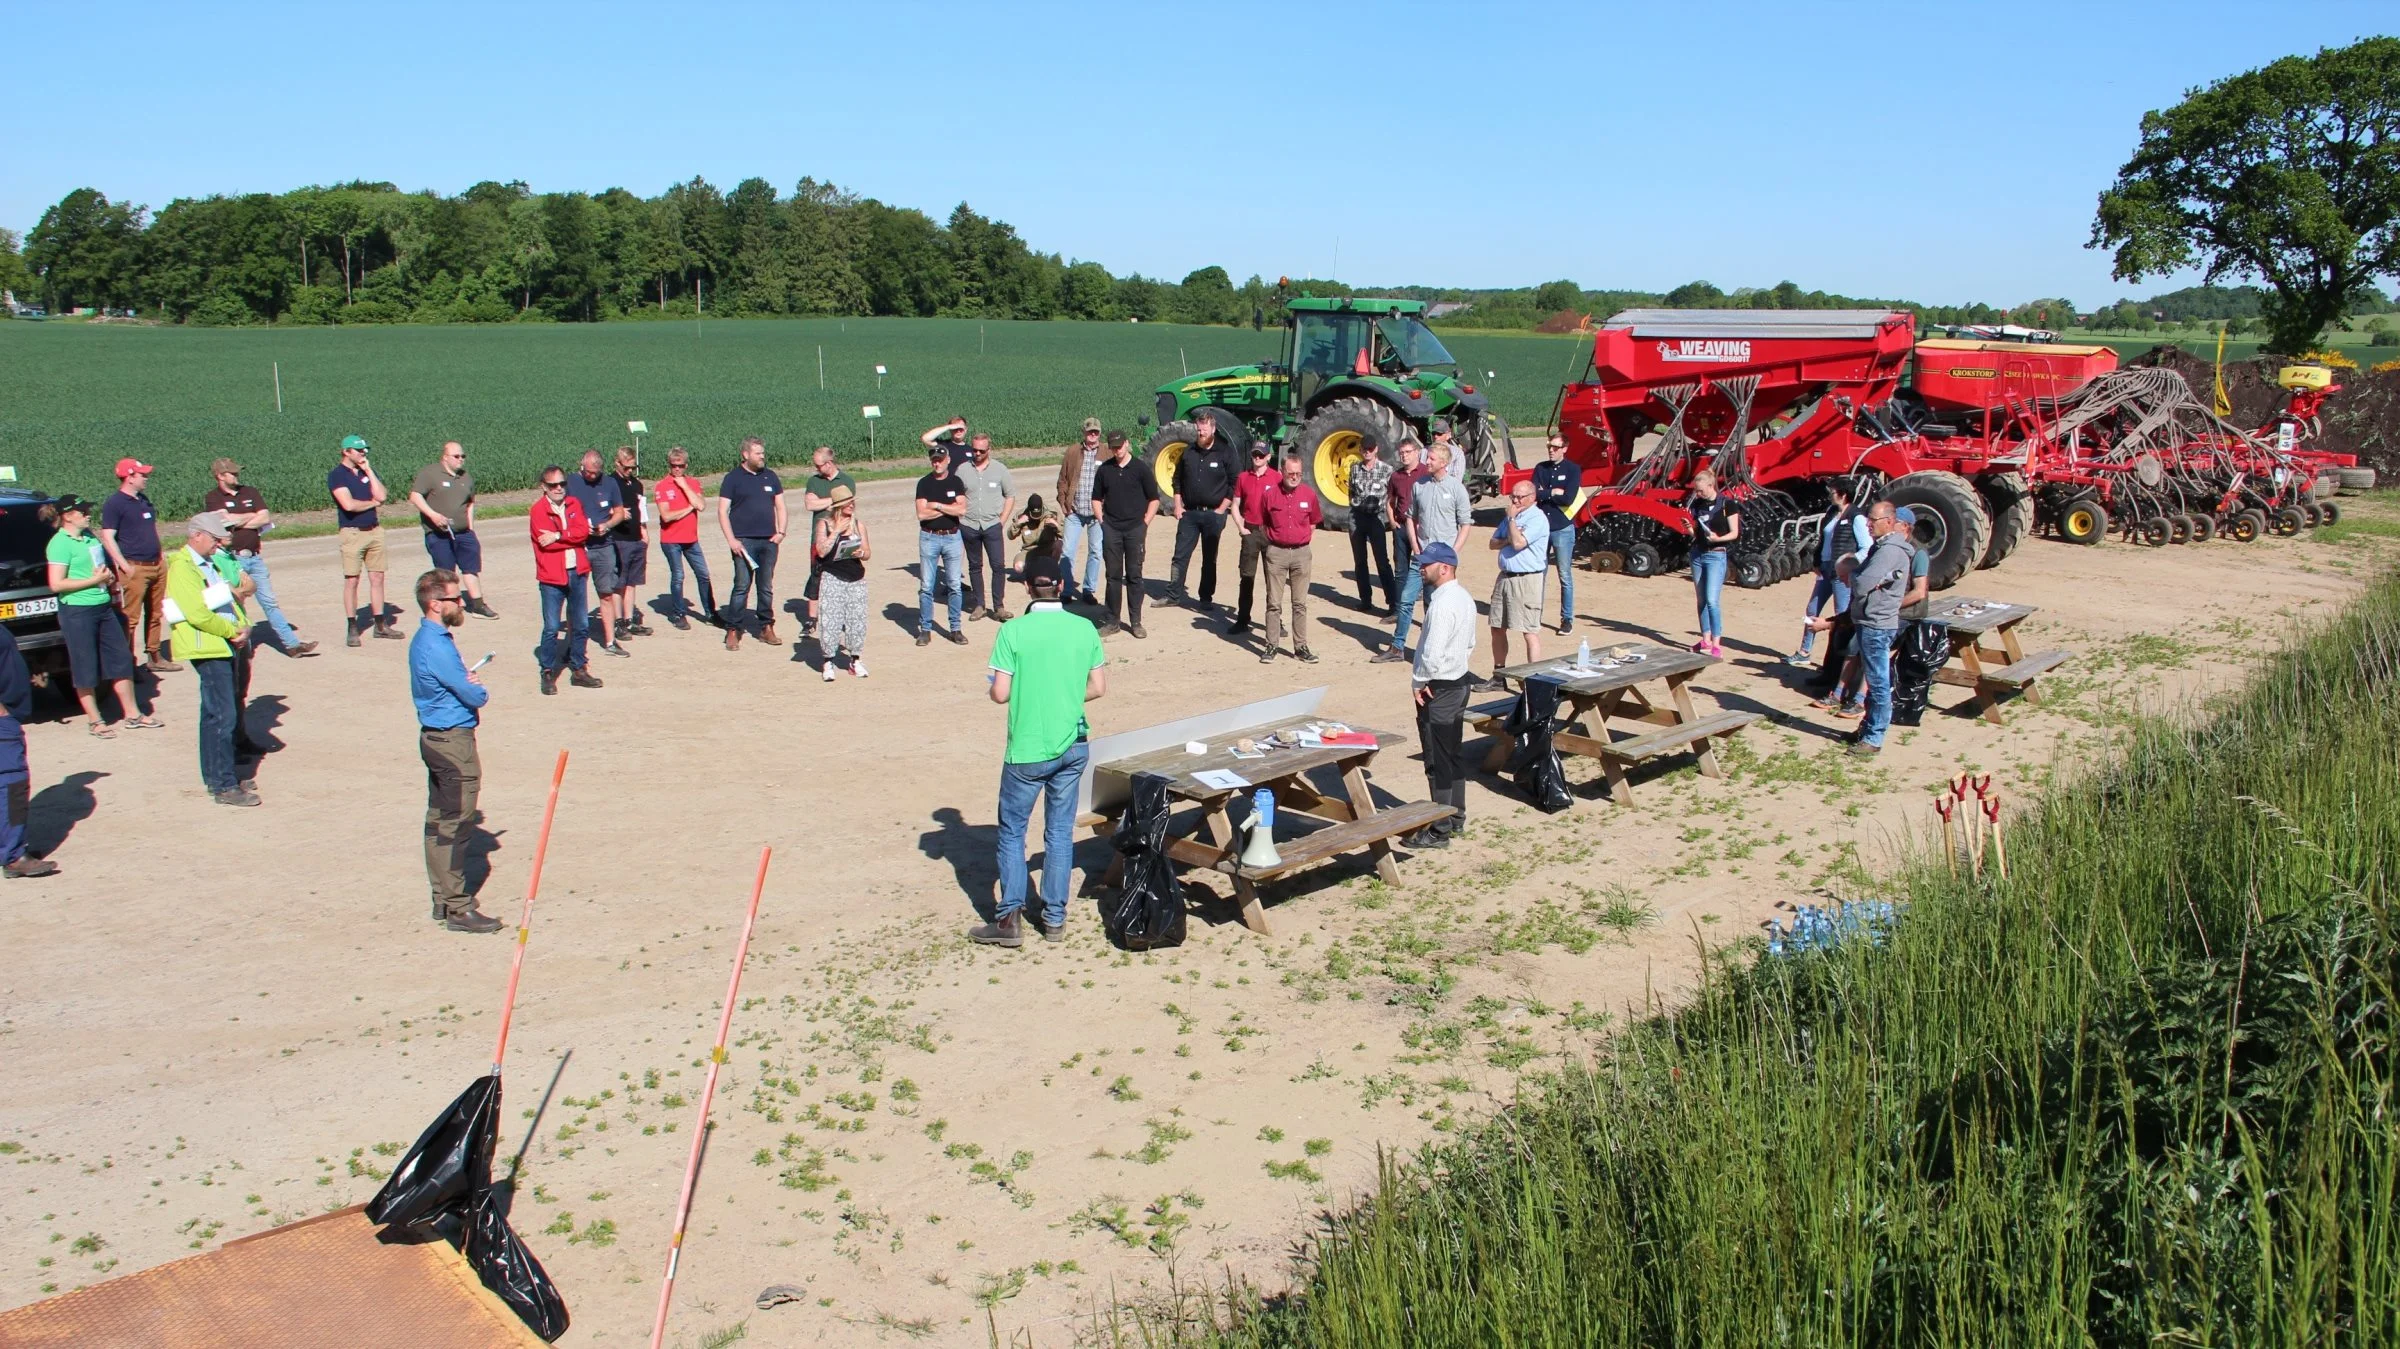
(1818, 926)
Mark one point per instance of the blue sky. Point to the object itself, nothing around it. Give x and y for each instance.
(1941, 152)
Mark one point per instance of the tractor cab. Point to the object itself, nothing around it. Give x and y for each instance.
(1325, 345)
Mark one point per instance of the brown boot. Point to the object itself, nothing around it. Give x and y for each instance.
(733, 638)
(1002, 932)
(770, 636)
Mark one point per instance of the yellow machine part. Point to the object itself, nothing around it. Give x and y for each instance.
(2305, 376)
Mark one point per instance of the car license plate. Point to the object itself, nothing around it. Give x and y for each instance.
(28, 608)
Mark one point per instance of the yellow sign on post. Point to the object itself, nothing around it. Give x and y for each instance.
(2224, 403)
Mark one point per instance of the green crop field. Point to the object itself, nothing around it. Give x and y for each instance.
(76, 396)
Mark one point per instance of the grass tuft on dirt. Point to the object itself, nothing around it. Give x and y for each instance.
(2140, 1094)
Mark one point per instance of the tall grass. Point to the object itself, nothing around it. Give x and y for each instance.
(2140, 1095)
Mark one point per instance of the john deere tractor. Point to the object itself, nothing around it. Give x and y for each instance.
(1357, 377)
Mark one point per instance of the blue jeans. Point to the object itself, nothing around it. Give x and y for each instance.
(566, 623)
(759, 571)
(1875, 653)
(1082, 531)
(1562, 555)
(1055, 782)
(15, 805)
(942, 554)
(1412, 587)
(255, 567)
(1708, 578)
(677, 554)
(217, 720)
(1829, 595)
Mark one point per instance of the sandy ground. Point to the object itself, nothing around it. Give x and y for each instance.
(216, 1021)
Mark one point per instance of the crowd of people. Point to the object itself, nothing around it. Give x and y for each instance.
(128, 605)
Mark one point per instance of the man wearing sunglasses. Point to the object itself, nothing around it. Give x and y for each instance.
(449, 697)
(560, 571)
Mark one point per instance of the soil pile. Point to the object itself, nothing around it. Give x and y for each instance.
(2363, 419)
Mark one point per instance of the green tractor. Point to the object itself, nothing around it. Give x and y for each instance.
(1357, 377)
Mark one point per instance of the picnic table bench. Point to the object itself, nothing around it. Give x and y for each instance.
(1613, 689)
(1994, 673)
(1352, 821)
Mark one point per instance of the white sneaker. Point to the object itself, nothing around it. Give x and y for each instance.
(858, 667)
(829, 670)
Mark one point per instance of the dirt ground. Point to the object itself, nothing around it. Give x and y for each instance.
(216, 1021)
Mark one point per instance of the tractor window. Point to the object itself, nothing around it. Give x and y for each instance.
(1325, 347)
(1413, 343)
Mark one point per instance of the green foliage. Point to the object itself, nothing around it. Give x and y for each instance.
(73, 396)
(2138, 1094)
(2285, 173)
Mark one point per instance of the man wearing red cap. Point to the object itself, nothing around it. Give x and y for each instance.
(129, 531)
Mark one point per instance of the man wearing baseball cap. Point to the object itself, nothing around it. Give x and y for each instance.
(246, 511)
(205, 633)
(356, 493)
(129, 531)
(1441, 682)
(1079, 517)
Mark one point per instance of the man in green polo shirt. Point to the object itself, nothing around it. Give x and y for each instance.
(1046, 664)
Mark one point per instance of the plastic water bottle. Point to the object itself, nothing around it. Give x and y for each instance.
(1583, 654)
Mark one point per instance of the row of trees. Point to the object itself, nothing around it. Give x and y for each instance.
(367, 252)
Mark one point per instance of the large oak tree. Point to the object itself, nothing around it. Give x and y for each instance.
(2289, 173)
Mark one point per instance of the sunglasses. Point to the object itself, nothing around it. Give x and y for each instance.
(446, 599)
(554, 486)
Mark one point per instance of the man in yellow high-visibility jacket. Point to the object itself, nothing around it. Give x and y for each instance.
(205, 635)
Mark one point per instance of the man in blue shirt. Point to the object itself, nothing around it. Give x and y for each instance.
(447, 695)
(752, 515)
(1523, 543)
(1557, 482)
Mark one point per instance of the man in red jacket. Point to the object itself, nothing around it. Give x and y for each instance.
(559, 567)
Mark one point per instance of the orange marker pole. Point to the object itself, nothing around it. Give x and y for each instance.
(533, 886)
(1991, 810)
(716, 1061)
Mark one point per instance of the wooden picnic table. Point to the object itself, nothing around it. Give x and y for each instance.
(1354, 821)
(1588, 700)
(1993, 673)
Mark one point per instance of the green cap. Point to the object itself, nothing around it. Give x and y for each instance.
(354, 442)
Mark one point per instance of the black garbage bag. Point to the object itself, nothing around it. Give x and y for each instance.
(1534, 763)
(1149, 909)
(509, 1269)
(1921, 649)
(450, 1163)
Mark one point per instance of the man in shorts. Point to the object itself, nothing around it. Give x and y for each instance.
(129, 531)
(632, 545)
(1523, 543)
(356, 493)
(603, 511)
(444, 495)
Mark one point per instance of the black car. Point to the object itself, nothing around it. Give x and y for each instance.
(26, 604)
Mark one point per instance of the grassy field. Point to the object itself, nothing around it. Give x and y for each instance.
(76, 396)
(2130, 345)
(2137, 1095)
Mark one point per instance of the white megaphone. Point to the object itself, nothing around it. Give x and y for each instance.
(1259, 853)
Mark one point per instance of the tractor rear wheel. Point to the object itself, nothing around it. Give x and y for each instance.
(1642, 559)
(1487, 449)
(2084, 521)
(1166, 445)
(1952, 526)
(2009, 497)
(1339, 435)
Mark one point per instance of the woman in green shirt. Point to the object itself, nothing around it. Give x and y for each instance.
(87, 615)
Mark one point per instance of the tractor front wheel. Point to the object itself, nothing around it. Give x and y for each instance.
(1338, 436)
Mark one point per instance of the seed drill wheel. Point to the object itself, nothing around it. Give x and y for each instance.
(2179, 528)
(2156, 532)
(1642, 559)
(1343, 432)
(2009, 498)
(2201, 527)
(2328, 513)
(2246, 526)
(1606, 561)
(2084, 522)
(2309, 512)
(1750, 572)
(2287, 521)
(1952, 525)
